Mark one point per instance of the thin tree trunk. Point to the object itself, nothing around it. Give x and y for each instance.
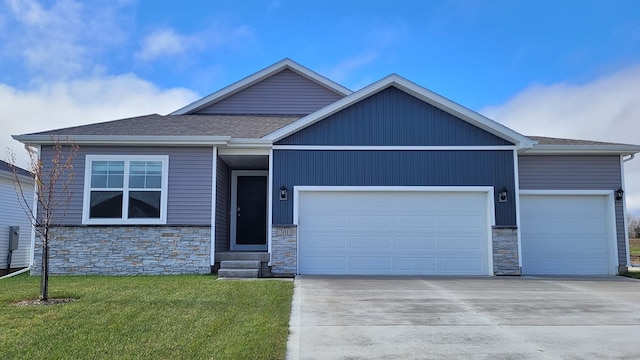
(44, 280)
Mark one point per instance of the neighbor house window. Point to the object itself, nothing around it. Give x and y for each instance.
(125, 189)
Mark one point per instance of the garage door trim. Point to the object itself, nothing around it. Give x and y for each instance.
(612, 237)
(487, 190)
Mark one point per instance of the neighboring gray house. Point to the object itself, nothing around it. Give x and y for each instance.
(13, 217)
(289, 167)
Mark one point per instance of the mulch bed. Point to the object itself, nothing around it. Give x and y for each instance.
(39, 302)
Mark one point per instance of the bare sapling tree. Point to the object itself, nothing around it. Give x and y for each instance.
(633, 227)
(54, 178)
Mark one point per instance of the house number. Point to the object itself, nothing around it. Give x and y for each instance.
(284, 232)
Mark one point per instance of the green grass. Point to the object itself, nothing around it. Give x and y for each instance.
(145, 317)
(634, 247)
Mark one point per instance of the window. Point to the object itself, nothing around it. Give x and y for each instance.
(125, 189)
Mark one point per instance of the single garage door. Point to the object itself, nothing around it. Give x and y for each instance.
(393, 232)
(566, 235)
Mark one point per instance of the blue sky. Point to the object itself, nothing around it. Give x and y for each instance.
(556, 68)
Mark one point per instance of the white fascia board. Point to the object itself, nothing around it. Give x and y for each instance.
(413, 89)
(248, 142)
(582, 150)
(259, 76)
(244, 151)
(124, 139)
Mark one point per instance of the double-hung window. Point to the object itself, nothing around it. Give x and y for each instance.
(125, 189)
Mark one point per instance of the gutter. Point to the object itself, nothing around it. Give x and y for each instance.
(629, 158)
(583, 150)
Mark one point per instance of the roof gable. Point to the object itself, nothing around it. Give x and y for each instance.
(416, 91)
(392, 117)
(285, 87)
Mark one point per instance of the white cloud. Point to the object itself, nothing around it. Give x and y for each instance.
(345, 67)
(64, 39)
(165, 42)
(80, 102)
(605, 109)
(375, 43)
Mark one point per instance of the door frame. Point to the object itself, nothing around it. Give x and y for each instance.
(234, 210)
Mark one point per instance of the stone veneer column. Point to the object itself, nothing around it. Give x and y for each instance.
(505, 251)
(284, 249)
(128, 250)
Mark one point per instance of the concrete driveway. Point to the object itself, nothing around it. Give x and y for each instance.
(464, 318)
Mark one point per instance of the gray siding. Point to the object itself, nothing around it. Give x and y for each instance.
(12, 214)
(223, 201)
(392, 168)
(539, 172)
(283, 93)
(576, 172)
(189, 187)
(392, 118)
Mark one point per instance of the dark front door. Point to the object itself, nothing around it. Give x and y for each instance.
(251, 213)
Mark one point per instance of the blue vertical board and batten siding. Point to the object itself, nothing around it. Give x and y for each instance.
(392, 117)
(283, 93)
(393, 168)
(189, 187)
(576, 172)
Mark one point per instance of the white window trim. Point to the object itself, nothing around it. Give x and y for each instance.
(122, 221)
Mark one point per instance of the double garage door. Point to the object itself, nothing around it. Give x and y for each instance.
(567, 234)
(393, 232)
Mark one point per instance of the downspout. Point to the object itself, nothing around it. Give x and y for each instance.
(624, 211)
(16, 273)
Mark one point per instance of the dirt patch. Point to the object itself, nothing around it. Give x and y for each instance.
(44, 303)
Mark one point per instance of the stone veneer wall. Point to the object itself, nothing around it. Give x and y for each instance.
(505, 251)
(284, 249)
(128, 250)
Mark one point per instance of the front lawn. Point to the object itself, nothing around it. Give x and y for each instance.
(152, 317)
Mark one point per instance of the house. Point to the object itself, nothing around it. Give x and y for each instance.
(293, 170)
(15, 225)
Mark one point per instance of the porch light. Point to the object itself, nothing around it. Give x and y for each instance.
(619, 194)
(502, 195)
(283, 193)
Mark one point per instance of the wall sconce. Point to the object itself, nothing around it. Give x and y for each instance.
(502, 195)
(283, 193)
(619, 194)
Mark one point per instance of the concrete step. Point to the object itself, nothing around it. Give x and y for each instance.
(238, 273)
(240, 264)
(242, 255)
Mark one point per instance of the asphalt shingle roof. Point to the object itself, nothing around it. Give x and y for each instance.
(237, 126)
(542, 140)
(5, 166)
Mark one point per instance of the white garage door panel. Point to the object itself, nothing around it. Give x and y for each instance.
(415, 243)
(566, 235)
(370, 232)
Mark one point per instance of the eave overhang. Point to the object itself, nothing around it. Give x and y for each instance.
(107, 140)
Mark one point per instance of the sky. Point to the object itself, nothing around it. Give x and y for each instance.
(568, 68)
